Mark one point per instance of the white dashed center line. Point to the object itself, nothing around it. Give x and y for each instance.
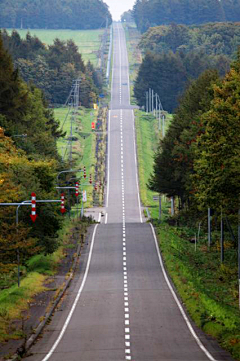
(125, 274)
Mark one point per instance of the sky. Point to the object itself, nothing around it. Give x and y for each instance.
(117, 7)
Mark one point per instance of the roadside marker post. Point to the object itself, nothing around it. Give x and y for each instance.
(33, 212)
(31, 203)
(63, 209)
(77, 194)
(77, 189)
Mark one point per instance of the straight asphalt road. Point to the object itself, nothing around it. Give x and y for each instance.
(122, 306)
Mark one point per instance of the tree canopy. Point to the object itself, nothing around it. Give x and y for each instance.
(54, 14)
(198, 160)
(149, 13)
(211, 38)
(29, 162)
(168, 74)
(174, 158)
(53, 69)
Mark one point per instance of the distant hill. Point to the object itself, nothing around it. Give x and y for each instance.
(54, 14)
(150, 13)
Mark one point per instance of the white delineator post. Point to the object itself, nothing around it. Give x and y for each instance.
(33, 211)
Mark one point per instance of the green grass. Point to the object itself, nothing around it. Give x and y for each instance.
(134, 54)
(84, 147)
(147, 142)
(15, 300)
(88, 41)
(208, 289)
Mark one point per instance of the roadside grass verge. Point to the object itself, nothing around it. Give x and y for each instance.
(14, 301)
(134, 54)
(84, 145)
(35, 276)
(88, 41)
(208, 289)
(147, 142)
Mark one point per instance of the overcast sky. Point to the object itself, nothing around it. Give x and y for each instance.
(117, 7)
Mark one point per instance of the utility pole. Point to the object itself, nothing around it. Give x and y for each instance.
(156, 104)
(163, 125)
(152, 100)
(149, 98)
(74, 104)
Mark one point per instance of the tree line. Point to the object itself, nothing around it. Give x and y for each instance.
(198, 160)
(54, 14)
(29, 162)
(168, 74)
(54, 68)
(211, 38)
(176, 54)
(150, 13)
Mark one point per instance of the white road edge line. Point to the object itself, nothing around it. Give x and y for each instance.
(112, 73)
(75, 302)
(106, 218)
(202, 347)
(120, 54)
(135, 156)
(108, 175)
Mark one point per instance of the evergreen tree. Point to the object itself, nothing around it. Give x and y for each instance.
(173, 164)
(216, 165)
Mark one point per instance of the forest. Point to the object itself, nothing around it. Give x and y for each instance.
(54, 14)
(211, 38)
(198, 160)
(176, 54)
(53, 69)
(150, 13)
(29, 162)
(168, 74)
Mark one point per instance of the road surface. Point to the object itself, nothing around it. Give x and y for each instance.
(122, 307)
